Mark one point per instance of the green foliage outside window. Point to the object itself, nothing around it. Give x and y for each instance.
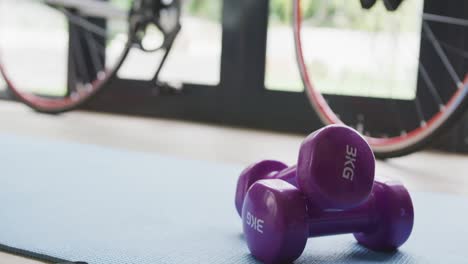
(210, 9)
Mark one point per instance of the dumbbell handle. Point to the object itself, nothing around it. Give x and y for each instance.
(325, 222)
(335, 222)
(388, 207)
(288, 175)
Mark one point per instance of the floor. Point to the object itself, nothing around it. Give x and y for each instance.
(424, 171)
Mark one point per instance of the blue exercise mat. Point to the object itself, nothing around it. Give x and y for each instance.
(64, 201)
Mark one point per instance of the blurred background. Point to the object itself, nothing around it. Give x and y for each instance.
(329, 25)
(395, 70)
(237, 81)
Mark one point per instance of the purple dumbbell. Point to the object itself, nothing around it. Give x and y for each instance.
(335, 169)
(278, 219)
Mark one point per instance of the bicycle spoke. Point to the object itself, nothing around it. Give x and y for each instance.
(83, 23)
(430, 84)
(445, 19)
(96, 49)
(90, 8)
(95, 53)
(419, 112)
(78, 59)
(458, 51)
(442, 55)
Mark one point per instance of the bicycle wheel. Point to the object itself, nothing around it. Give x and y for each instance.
(56, 54)
(394, 70)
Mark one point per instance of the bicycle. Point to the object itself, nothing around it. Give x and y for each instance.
(439, 97)
(97, 35)
(101, 34)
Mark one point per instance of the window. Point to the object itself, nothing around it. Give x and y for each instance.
(348, 50)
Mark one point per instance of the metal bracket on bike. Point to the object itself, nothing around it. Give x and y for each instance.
(163, 14)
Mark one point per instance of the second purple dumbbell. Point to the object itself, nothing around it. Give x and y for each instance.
(335, 169)
(278, 219)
